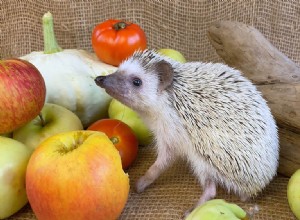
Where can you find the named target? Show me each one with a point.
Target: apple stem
(42, 119)
(50, 43)
(114, 140)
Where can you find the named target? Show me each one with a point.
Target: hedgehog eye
(137, 82)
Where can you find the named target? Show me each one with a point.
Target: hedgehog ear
(165, 74)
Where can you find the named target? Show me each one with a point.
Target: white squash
(69, 77)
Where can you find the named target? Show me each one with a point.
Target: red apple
(76, 175)
(23, 92)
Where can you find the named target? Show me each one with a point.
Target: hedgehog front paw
(142, 184)
(245, 198)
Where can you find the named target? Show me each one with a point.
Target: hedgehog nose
(100, 80)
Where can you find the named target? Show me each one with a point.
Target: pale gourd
(69, 77)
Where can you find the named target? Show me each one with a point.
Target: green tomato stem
(114, 140)
(50, 43)
(120, 25)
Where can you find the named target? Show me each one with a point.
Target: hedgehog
(206, 113)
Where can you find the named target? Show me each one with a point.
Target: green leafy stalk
(50, 43)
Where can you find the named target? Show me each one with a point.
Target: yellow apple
(174, 54)
(293, 193)
(53, 119)
(76, 175)
(14, 157)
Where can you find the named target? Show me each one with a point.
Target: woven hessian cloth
(180, 25)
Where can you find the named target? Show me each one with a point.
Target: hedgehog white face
(136, 85)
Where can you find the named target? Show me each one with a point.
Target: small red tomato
(122, 137)
(114, 40)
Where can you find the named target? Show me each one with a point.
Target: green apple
(52, 120)
(174, 54)
(293, 193)
(13, 162)
(117, 110)
(217, 209)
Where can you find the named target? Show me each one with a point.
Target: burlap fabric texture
(174, 24)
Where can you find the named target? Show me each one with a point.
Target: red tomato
(122, 137)
(114, 40)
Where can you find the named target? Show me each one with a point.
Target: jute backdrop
(175, 24)
(180, 25)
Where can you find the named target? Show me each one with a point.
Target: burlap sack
(174, 24)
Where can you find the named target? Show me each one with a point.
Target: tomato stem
(120, 25)
(114, 140)
(50, 43)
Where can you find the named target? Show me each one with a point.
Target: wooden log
(245, 48)
(276, 76)
(284, 101)
(289, 160)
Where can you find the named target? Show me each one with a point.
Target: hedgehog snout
(114, 84)
(100, 81)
